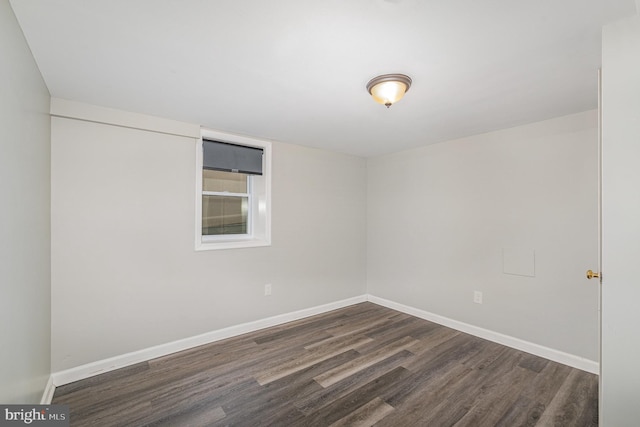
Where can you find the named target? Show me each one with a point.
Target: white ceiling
(295, 70)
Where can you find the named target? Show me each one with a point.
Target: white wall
(620, 378)
(440, 216)
(24, 219)
(125, 274)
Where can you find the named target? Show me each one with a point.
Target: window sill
(231, 244)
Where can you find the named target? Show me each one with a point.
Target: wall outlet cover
(477, 297)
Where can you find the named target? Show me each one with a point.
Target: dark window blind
(227, 157)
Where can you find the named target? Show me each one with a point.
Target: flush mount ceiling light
(388, 89)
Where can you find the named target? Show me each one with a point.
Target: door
(620, 302)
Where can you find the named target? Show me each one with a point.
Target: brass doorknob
(591, 274)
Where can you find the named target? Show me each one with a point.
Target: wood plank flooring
(363, 365)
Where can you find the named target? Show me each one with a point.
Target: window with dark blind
(234, 188)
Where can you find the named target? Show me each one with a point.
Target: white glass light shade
(388, 88)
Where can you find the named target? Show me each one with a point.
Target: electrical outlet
(477, 297)
(267, 289)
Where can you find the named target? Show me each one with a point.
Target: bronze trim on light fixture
(385, 78)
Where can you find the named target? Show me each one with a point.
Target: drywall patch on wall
(519, 261)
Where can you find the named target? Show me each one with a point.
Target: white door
(620, 338)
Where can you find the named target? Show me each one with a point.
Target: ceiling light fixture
(388, 89)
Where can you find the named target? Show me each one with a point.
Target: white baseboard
(49, 389)
(516, 343)
(128, 359)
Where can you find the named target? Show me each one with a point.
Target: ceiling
(295, 70)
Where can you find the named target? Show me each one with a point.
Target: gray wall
(620, 378)
(126, 276)
(441, 217)
(25, 273)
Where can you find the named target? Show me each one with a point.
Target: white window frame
(259, 187)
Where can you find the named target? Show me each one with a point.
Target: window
(232, 192)
(225, 203)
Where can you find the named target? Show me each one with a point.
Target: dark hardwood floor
(358, 366)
